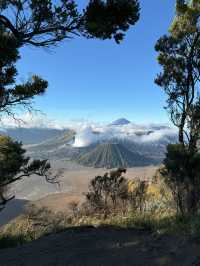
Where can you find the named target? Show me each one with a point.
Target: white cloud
(29, 120)
(85, 137)
(88, 132)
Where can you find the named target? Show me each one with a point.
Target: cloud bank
(88, 132)
(140, 134)
(29, 120)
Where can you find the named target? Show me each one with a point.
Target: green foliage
(113, 193)
(179, 56)
(33, 224)
(44, 23)
(28, 228)
(106, 191)
(11, 158)
(14, 165)
(181, 173)
(163, 225)
(187, 18)
(12, 94)
(117, 16)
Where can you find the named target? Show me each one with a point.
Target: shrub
(181, 173)
(34, 223)
(137, 194)
(106, 192)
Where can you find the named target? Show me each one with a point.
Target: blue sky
(100, 80)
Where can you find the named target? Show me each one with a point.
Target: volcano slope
(112, 155)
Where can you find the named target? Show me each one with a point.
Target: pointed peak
(120, 122)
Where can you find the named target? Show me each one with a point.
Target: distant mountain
(57, 147)
(106, 146)
(32, 135)
(120, 122)
(112, 155)
(103, 150)
(153, 150)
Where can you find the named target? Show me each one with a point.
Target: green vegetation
(33, 224)
(14, 165)
(179, 56)
(112, 200)
(173, 225)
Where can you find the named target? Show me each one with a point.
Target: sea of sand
(73, 183)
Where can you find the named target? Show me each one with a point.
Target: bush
(33, 224)
(181, 173)
(137, 194)
(113, 194)
(106, 192)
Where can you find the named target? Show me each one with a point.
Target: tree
(14, 165)
(179, 56)
(12, 94)
(182, 175)
(43, 23)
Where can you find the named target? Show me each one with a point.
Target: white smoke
(85, 137)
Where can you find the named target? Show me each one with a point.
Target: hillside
(32, 135)
(89, 246)
(112, 155)
(56, 147)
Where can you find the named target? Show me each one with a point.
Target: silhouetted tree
(14, 165)
(182, 175)
(13, 95)
(179, 56)
(44, 23)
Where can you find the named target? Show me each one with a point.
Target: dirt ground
(73, 184)
(58, 202)
(78, 182)
(105, 246)
(101, 246)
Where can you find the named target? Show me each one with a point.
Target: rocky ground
(89, 246)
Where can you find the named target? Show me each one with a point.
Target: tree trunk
(192, 201)
(181, 129)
